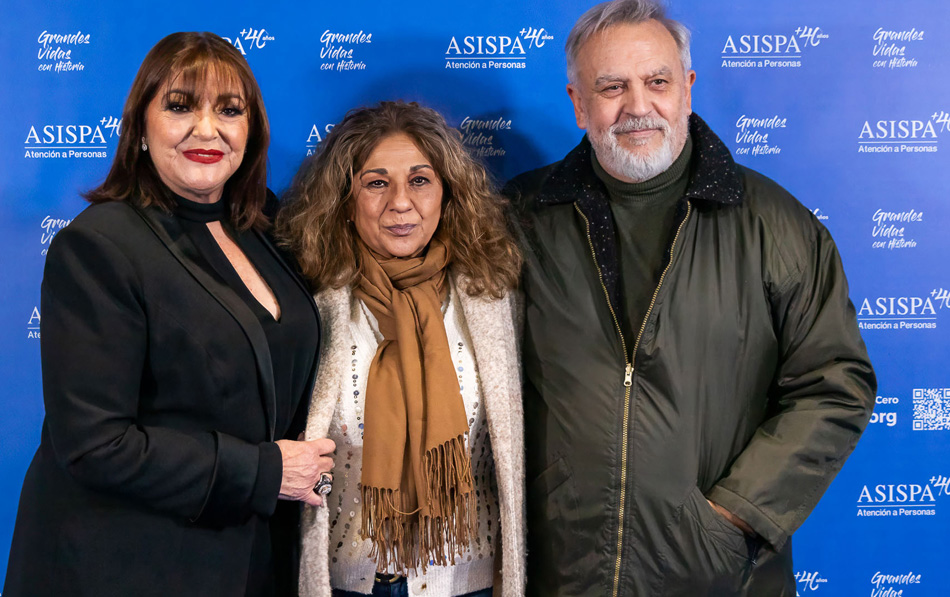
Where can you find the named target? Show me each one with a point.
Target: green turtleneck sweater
(643, 214)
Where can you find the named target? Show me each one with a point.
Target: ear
(579, 114)
(349, 209)
(690, 79)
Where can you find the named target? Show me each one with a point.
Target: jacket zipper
(628, 375)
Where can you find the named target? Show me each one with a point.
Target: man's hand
(735, 520)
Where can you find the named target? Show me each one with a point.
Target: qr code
(931, 409)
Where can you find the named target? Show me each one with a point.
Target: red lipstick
(204, 156)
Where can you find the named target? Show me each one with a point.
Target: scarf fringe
(404, 541)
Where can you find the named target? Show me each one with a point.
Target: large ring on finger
(324, 485)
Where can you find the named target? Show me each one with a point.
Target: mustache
(634, 123)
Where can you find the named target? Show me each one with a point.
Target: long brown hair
(313, 222)
(193, 61)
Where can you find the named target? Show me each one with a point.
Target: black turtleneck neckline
(200, 212)
(668, 185)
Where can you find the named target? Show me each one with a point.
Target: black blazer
(156, 472)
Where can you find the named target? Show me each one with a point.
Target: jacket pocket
(706, 554)
(553, 545)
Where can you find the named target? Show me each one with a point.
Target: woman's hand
(304, 461)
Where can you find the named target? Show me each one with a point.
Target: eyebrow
(222, 97)
(663, 70)
(608, 79)
(384, 171)
(183, 92)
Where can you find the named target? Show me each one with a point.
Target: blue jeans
(398, 588)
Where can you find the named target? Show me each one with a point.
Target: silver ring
(324, 485)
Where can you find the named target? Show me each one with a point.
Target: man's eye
(614, 89)
(659, 82)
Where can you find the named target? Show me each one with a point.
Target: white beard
(637, 167)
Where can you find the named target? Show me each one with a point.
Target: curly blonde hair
(313, 221)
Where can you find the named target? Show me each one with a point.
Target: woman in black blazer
(179, 351)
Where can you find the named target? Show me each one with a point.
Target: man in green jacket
(694, 373)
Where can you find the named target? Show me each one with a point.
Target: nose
(637, 103)
(204, 124)
(399, 200)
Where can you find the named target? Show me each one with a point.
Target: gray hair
(619, 12)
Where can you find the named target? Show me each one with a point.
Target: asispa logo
(61, 141)
(249, 39)
(33, 324)
(903, 499)
(316, 136)
(906, 135)
(903, 312)
(495, 50)
(809, 582)
(771, 50)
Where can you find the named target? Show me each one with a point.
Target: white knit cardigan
(494, 326)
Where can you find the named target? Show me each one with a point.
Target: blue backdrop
(845, 103)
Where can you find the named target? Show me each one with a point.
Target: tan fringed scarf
(417, 490)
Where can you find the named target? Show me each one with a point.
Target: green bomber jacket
(748, 384)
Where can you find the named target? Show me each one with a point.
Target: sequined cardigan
(494, 327)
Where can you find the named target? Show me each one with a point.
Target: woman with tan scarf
(398, 229)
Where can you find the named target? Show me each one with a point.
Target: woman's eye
(176, 107)
(232, 111)
(376, 184)
(419, 181)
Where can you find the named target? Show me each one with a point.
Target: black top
(644, 213)
(293, 338)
